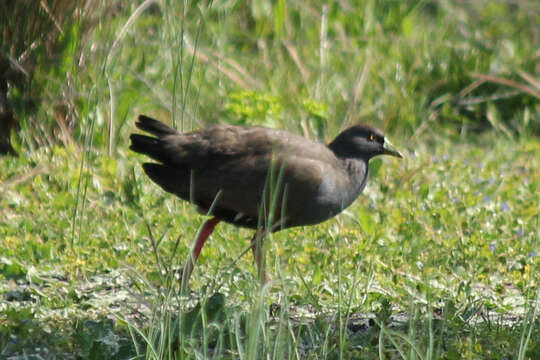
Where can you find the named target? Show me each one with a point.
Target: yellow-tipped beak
(389, 149)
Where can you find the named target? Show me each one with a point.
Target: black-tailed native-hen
(256, 177)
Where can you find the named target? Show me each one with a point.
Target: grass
(443, 260)
(437, 259)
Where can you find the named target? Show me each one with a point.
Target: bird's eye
(371, 137)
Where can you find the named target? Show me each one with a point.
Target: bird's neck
(348, 186)
(340, 150)
(358, 173)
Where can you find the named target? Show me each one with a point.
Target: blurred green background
(81, 71)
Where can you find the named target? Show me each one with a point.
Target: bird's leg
(257, 248)
(206, 230)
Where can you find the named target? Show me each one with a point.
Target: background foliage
(438, 259)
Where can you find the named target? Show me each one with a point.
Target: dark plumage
(241, 174)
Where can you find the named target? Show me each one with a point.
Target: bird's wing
(279, 186)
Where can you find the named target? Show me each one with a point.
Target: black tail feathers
(153, 147)
(154, 126)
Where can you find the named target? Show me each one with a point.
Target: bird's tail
(154, 126)
(154, 147)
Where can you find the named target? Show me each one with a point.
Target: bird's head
(362, 141)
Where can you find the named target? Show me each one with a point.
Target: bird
(256, 177)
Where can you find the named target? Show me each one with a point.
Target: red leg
(257, 248)
(207, 229)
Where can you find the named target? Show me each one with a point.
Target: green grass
(446, 241)
(438, 258)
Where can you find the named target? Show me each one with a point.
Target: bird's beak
(389, 149)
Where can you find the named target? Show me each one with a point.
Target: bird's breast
(336, 192)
